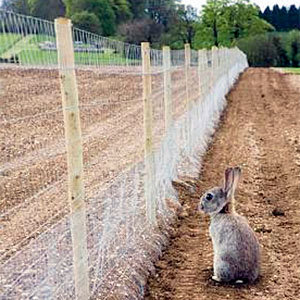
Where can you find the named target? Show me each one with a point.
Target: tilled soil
(260, 131)
(33, 166)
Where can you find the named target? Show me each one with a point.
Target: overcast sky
(262, 3)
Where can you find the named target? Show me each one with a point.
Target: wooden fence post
(187, 49)
(66, 61)
(148, 135)
(187, 56)
(214, 58)
(227, 66)
(206, 72)
(201, 54)
(167, 87)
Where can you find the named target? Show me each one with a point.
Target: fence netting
(124, 181)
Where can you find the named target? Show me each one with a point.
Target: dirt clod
(278, 212)
(262, 229)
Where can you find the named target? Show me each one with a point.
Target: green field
(28, 52)
(40, 57)
(292, 70)
(7, 41)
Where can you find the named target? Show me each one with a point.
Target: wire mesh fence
(146, 117)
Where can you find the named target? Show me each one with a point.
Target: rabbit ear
(228, 180)
(236, 178)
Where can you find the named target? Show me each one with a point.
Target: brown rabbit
(236, 248)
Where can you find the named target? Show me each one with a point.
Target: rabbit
(236, 248)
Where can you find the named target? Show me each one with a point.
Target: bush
(293, 47)
(99, 8)
(272, 49)
(143, 30)
(260, 50)
(87, 21)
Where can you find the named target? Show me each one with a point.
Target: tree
(243, 20)
(137, 8)
(258, 26)
(281, 18)
(295, 53)
(122, 10)
(284, 21)
(282, 57)
(267, 15)
(276, 49)
(260, 50)
(141, 30)
(293, 47)
(100, 8)
(162, 22)
(18, 6)
(87, 21)
(294, 17)
(187, 20)
(223, 22)
(276, 21)
(53, 9)
(182, 27)
(70, 7)
(213, 24)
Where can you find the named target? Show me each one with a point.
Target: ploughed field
(260, 131)
(33, 172)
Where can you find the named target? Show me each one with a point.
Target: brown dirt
(259, 131)
(33, 188)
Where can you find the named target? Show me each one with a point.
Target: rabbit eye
(209, 196)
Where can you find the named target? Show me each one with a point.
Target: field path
(260, 131)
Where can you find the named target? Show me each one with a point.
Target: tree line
(283, 19)
(267, 41)
(264, 36)
(221, 22)
(280, 48)
(224, 22)
(156, 21)
(276, 49)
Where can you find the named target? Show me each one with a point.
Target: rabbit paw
(216, 278)
(239, 281)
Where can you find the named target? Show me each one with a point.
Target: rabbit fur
(236, 248)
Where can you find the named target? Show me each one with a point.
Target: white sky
(262, 3)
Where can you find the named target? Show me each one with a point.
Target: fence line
(146, 117)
